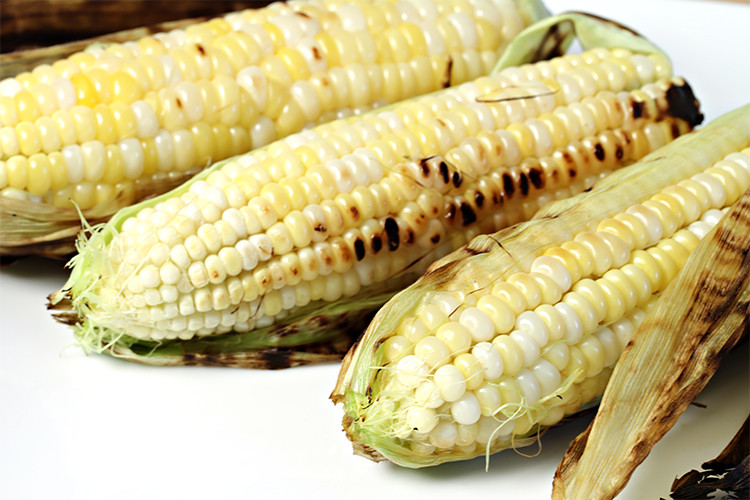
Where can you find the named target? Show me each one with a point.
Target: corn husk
(701, 315)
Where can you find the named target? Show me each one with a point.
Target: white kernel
(553, 268)
(611, 348)
(650, 219)
(147, 124)
(478, 323)
(450, 382)
(263, 245)
(528, 346)
(411, 370)
(466, 410)
(531, 323)
(74, 163)
(712, 217)
(444, 435)
(149, 276)
(427, 394)
(547, 375)
(421, 419)
(490, 359)
(573, 325)
(530, 387)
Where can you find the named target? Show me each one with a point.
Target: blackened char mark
(468, 216)
(536, 176)
(683, 104)
(391, 231)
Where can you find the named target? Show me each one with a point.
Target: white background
(92, 427)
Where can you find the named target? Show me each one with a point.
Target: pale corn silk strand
(235, 234)
(126, 118)
(632, 255)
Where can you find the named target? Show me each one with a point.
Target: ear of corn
(701, 316)
(117, 123)
(276, 248)
(521, 328)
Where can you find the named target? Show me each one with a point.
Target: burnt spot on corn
(536, 176)
(178, 101)
(444, 172)
(599, 152)
(450, 213)
(682, 103)
(376, 243)
(468, 216)
(355, 212)
(435, 239)
(508, 187)
(638, 108)
(478, 199)
(457, 179)
(316, 53)
(320, 228)
(201, 49)
(523, 183)
(410, 237)
(359, 249)
(425, 167)
(392, 233)
(619, 153)
(448, 71)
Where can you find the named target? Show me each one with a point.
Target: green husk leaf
(700, 317)
(553, 35)
(488, 258)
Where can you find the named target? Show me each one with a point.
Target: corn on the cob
(116, 123)
(523, 327)
(336, 218)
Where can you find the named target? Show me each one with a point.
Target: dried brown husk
(700, 317)
(29, 24)
(729, 472)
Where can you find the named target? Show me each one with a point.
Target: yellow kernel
(513, 359)
(471, 369)
(86, 94)
(39, 175)
(58, 170)
(511, 295)
(17, 168)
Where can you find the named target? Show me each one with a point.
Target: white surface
(91, 427)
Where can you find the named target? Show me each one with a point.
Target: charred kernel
(523, 184)
(457, 179)
(536, 177)
(468, 216)
(444, 172)
(508, 185)
(376, 244)
(599, 152)
(478, 199)
(359, 249)
(392, 232)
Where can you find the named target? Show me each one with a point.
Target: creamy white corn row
(358, 207)
(116, 123)
(522, 328)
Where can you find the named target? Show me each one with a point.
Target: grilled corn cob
(283, 246)
(523, 327)
(114, 124)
